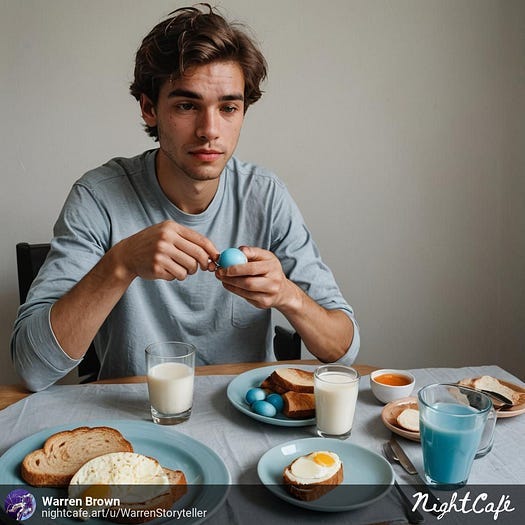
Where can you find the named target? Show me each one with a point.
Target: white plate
(253, 378)
(367, 475)
(203, 468)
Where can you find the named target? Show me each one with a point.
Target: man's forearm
(79, 314)
(326, 333)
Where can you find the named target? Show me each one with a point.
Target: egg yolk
(325, 460)
(96, 492)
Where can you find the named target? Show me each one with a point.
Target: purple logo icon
(20, 504)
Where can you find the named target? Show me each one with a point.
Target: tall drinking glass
(170, 373)
(452, 421)
(335, 388)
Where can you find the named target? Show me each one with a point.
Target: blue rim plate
(242, 383)
(367, 476)
(203, 468)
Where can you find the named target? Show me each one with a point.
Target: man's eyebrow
(186, 93)
(234, 96)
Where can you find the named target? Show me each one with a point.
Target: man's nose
(208, 126)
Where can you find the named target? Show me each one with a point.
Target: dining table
(241, 441)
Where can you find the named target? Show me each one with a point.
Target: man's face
(199, 118)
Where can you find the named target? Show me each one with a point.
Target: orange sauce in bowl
(393, 379)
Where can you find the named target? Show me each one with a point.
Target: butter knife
(402, 457)
(405, 462)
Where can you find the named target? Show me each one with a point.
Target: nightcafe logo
(465, 505)
(20, 504)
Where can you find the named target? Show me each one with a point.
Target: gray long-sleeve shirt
(122, 197)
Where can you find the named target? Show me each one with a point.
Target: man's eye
(185, 106)
(229, 109)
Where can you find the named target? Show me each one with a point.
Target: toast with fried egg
(138, 482)
(65, 452)
(313, 475)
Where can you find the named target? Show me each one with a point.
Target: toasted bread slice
(65, 452)
(298, 405)
(140, 512)
(270, 386)
(293, 379)
(143, 512)
(409, 419)
(312, 490)
(178, 483)
(491, 384)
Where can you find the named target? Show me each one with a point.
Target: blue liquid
(449, 440)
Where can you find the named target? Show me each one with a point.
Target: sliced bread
(65, 452)
(293, 379)
(178, 483)
(409, 419)
(491, 384)
(298, 405)
(147, 510)
(139, 483)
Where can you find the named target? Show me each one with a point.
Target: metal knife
(409, 467)
(402, 457)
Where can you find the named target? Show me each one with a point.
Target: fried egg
(126, 476)
(314, 467)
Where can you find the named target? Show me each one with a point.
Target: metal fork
(413, 516)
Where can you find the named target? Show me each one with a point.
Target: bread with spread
(311, 476)
(97, 464)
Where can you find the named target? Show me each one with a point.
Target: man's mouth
(206, 155)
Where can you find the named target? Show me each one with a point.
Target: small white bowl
(388, 392)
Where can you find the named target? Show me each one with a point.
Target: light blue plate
(253, 378)
(367, 476)
(202, 467)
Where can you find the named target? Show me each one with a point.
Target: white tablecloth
(240, 441)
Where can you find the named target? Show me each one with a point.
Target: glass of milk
(452, 421)
(335, 388)
(170, 373)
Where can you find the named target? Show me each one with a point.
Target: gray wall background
(397, 125)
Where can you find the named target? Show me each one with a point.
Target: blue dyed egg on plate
(277, 401)
(255, 394)
(231, 257)
(263, 408)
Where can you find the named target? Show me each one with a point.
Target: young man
(133, 256)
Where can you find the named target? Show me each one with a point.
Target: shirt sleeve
(302, 263)
(77, 246)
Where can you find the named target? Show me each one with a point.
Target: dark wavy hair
(191, 36)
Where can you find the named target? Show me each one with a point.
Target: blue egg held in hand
(263, 408)
(254, 394)
(231, 257)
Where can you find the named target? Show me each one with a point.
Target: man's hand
(261, 281)
(166, 251)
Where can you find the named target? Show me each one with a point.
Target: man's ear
(149, 114)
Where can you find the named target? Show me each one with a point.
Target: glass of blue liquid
(452, 421)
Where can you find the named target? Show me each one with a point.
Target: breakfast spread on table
(97, 464)
(311, 476)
